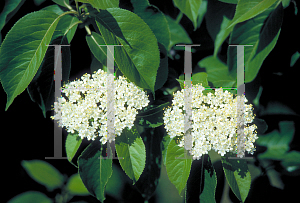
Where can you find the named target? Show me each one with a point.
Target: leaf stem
(178, 18)
(88, 30)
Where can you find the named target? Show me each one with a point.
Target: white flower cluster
(217, 119)
(85, 109)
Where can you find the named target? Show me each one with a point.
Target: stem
(69, 7)
(78, 22)
(88, 30)
(179, 17)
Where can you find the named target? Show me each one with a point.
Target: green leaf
(217, 72)
(178, 33)
(22, 54)
(210, 182)
(100, 52)
(75, 186)
(154, 18)
(102, 4)
(178, 170)
(197, 78)
(10, 8)
(190, 8)
(218, 17)
(262, 32)
(73, 142)
(138, 58)
(41, 88)
(164, 147)
(237, 175)
(116, 183)
(230, 1)
(131, 147)
(277, 142)
(29, 197)
(247, 9)
(294, 58)
(93, 170)
(44, 173)
(64, 3)
(202, 12)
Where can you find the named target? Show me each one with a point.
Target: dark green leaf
(93, 170)
(10, 8)
(21, 55)
(44, 173)
(130, 146)
(138, 58)
(102, 4)
(190, 8)
(64, 3)
(178, 169)
(230, 1)
(294, 58)
(29, 197)
(41, 88)
(237, 175)
(100, 52)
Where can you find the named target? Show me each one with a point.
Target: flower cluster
(83, 109)
(217, 120)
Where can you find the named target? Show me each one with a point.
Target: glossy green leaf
(178, 170)
(41, 88)
(75, 185)
(138, 58)
(154, 18)
(43, 173)
(237, 175)
(277, 142)
(94, 169)
(73, 142)
(100, 52)
(8, 11)
(218, 17)
(217, 72)
(131, 147)
(29, 197)
(21, 55)
(190, 8)
(64, 3)
(210, 182)
(262, 32)
(197, 78)
(177, 33)
(102, 4)
(247, 9)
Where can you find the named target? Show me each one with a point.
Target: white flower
(85, 109)
(215, 122)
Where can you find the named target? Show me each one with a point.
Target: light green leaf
(22, 54)
(178, 33)
(294, 58)
(277, 142)
(64, 3)
(8, 11)
(93, 170)
(190, 8)
(100, 52)
(29, 197)
(75, 185)
(73, 142)
(237, 175)
(247, 9)
(44, 173)
(102, 4)
(202, 12)
(197, 78)
(210, 183)
(131, 147)
(262, 32)
(164, 147)
(138, 59)
(217, 72)
(154, 18)
(178, 170)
